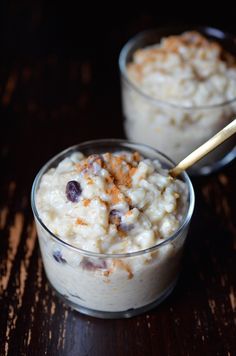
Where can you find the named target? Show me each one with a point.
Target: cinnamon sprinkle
(171, 45)
(121, 233)
(136, 156)
(109, 179)
(128, 201)
(120, 173)
(86, 202)
(81, 166)
(115, 194)
(89, 180)
(121, 170)
(128, 213)
(80, 221)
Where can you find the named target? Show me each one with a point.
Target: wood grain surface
(53, 94)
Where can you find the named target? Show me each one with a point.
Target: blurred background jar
(177, 97)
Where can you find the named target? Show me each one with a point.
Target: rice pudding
(178, 93)
(106, 208)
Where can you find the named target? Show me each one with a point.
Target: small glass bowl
(174, 129)
(102, 285)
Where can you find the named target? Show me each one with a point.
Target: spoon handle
(204, 149)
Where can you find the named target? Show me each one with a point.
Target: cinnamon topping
(86, 202)
(80, 221)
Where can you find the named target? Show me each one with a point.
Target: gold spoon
(204, 149)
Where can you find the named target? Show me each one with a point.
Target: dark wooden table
(54, 93)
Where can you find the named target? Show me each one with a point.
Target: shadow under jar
(177, 128)
(112, 285)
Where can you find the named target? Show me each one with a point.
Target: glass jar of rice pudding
(111, 224)
(179, 89)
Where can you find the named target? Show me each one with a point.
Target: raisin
(73, 191)
(115, 217)
(125, 227)
(92, 265)
(58, 256)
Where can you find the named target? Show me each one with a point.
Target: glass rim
(207, 30)
(184, 222)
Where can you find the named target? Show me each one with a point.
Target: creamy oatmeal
(111, 203)
(179, 75)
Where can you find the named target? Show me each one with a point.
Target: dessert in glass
(179, 89)
(111, 224)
